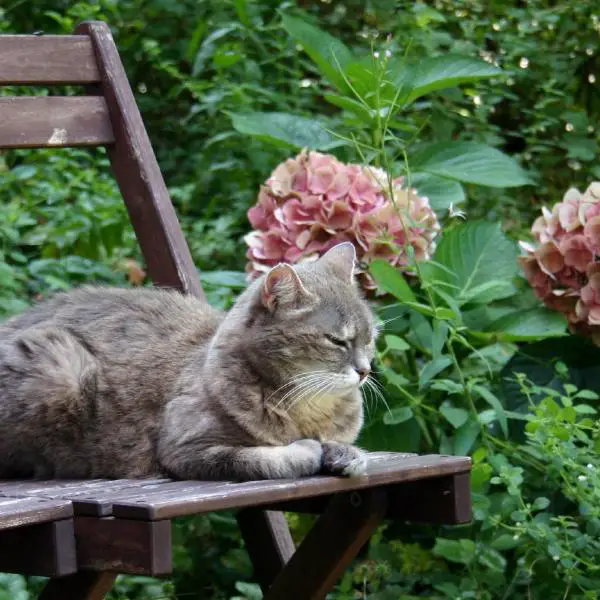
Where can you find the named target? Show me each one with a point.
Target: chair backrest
(106, 116)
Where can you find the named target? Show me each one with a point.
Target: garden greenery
(488, 110)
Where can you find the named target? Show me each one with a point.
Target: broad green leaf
(328, 53)
(459, 551)
(488, 291)
(398, 415)
(442, 192)
(484, 393)
(530, 325)
(391, 280)
(492, 559)
(432, 368)
(396, 343)
(469, 162)
(455, 416)
(284, 129)
(540, 503)
(475, 253)
(441, 72)
(505, 541)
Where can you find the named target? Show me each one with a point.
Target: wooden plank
(122, 546)
(32, 59)
(46, 549)
(186, 498)
(440, 500)
(54, 122)
(152, 215)
(437, 500)
(17, 512)
(330, 546)
(268, 542)
(80, 586)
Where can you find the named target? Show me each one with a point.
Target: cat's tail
(48, 375)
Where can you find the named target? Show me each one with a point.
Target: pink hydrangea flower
(314, 201)
(564, 269)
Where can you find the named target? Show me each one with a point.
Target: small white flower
(556, 557)
(516, 536)
(456, 213)
(376, 54)
(388, 53)
(582, 478)
(590, 466)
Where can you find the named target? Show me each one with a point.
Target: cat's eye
(337, 341)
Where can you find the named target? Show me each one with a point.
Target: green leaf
(441, 192)
(455, 416)
(505, 541)
(540, 503)
(396, 343)
(398, 415)
(283, 129)
(351, 105)
(492, 559)
(328, 53)
(487, 292)
(458, 551)
(432, 368)
(469, 162)
(474, 254)
(441, 72)
(391, 280)
(465, 437)
(530, 325)
(495, 404)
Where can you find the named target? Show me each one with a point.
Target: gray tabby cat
(136, 383)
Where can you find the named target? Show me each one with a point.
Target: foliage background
(451, 379)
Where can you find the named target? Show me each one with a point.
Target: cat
(136, 383)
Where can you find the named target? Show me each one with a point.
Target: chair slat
(54, 122)
(47, 59)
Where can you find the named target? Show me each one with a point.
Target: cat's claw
(343, 459)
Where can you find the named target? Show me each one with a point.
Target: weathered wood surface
(124, 546)
(330, 546)
(166, 499)
(85, 585)
(142, 185)
(47, 59)
(17, 512)
(45, 549)
(268, 542)
(54, 121)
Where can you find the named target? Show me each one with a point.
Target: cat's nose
(363, 372)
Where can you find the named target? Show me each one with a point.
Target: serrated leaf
(471, 163)
(474, 254)
(530, 325)
(447, 71)
(283, 129)
(328, 53)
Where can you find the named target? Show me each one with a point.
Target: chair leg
(85, 585)
(330, 546)
(268, 541)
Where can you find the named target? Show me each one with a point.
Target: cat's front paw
(343, 459)
(304, 458)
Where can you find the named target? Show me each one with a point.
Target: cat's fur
(102, 382)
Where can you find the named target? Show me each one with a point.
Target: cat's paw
(305, 458)
(343, 459)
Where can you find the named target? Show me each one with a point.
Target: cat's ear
(340, 259)
(282, 288)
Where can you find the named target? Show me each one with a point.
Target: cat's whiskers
(370, 383)
(293, 381)
(314, 393)
(304, 385)
(315, 387)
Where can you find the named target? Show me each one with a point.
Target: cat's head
(308, 326)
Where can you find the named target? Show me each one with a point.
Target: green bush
(469, 100)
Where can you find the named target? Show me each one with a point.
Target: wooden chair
(82, 533)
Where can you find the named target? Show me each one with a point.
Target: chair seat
(159, 499)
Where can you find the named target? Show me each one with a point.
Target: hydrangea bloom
(563, 268)
(313, 201)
